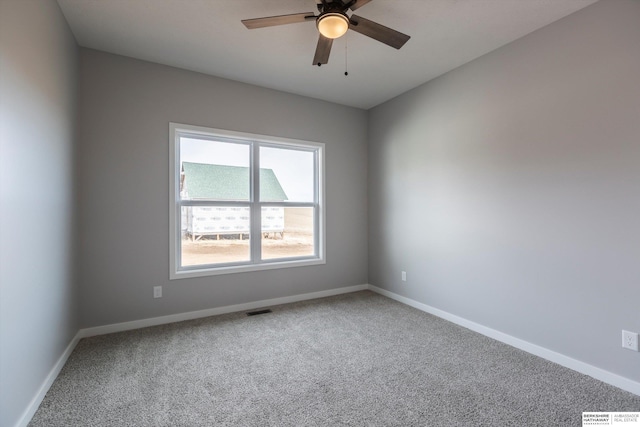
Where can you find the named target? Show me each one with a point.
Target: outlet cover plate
(157, 291)
(630, 340)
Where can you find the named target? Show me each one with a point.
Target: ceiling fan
(333, 22)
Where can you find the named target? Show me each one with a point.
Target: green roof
(220, 182)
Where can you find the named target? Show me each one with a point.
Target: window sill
(216, 271)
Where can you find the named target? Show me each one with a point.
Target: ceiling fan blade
(272, 21)
(378, 32)
(358, 4)
(322, 50)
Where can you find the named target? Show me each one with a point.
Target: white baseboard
(44, 388)
(560, 359)
(576, 365)
(143, 323)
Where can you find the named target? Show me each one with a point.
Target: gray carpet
(356, 360)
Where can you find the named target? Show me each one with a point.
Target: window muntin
(243, 202)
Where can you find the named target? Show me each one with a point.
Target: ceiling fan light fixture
(332, 24)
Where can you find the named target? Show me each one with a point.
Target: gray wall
(37, 107)
(125, 108)
(508, 189)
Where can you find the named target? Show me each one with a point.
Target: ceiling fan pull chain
(346, 63)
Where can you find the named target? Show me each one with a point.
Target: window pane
(286, 175)
(214, 235)
(213, 170)
(287, 232)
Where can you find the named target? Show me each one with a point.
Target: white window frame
(176, 130)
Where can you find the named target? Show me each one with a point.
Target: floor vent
(254, 313)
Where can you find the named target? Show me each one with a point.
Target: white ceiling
(207, 36)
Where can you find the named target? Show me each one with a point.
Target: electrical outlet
(630, 340)
(404, 276)
(157, 291)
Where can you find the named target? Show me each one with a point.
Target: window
(243, 202)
